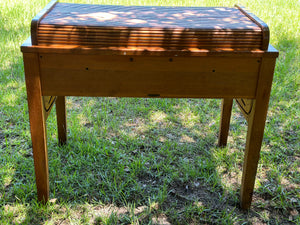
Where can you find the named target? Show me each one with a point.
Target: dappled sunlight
(17, 212)
(121, 135)
(82, 119)
(261, 177)
(99, 16)
(148, 28)
(189, 119)
(158, 117)
(288, 184)
(199, 204)
(136, 127)
(200, 133)
(160, 219)
(186, 139)
(10, 98)
(93, 214)
(149, 16)
(8, 176)
(230, 180)
(72, 103)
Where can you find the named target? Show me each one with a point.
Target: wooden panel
(93, 75)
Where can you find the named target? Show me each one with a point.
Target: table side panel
(125, 76)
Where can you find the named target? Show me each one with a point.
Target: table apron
(148, 76)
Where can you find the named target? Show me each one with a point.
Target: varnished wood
(148, 51)
(97, 51)
(37, 124)
(61, 119)
(180, 27)
(122, 76)
(35, 21)
(264, 27)
(225, 121)
(255, 131)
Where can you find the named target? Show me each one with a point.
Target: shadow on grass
(120, 158)
(121, 153)
(112, 167)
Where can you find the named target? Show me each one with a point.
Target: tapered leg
(256, 125)
(61, 119)
(225, 121)
(37, 124)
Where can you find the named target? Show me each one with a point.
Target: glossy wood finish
(149, 26)
(264, 27)
(36, 20)
(122, 76)
(256, 125)
(37, 124)
(148, 51)
(147, 62)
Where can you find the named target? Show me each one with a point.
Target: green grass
(150, 161)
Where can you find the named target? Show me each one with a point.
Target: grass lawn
(150, 161)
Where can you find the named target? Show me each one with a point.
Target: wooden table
(139, 51)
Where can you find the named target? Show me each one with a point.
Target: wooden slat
(35, 21)
(176, 27)
(264, 27)
(155, 37)
(163, 37)
(152, 40)
(153, 43)
(146, 30)
(147, 16)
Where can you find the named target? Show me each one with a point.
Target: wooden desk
(138, 51)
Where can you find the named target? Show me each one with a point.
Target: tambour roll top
(169, 28)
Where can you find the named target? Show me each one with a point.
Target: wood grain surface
(149, 26)
(125, 76)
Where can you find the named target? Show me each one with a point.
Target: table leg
(256, 125)
(61, 119)
(225, 121)
(37, 124)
